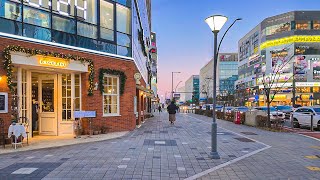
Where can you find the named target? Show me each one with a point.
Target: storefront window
(106, 15)
(123, 19)
(303, 25)
(111, 96)
(278, 28)
(87, 30)
(10, 10)
(316, 24)
(36, 17)
(66, 97)
(316, 89)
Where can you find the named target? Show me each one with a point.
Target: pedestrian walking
(172, 109)
(159, 109)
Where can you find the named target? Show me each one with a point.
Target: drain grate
(193, 148)
(203, 153)
(132, 148)
(164, 132)
(156, 157)
(232, 156)
(200, 159)
(221, 133)
(148, 132)
(94, 149)
(244, 139)
(64, 159)
(249, 133)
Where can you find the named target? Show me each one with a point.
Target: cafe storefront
(47, 91)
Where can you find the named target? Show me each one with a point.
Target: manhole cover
(249, 133)
(200, 159)
(244, 139)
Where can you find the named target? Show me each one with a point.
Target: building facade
(227, 74)
(61, 58)
(192, 89)
(281, 48)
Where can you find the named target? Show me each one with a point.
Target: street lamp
(175, 89)
(215, 23)
(172, 83)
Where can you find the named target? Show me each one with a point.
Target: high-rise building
(279, 49)
(67, 57)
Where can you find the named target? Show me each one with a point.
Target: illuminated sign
(289, 40)
(59, 63)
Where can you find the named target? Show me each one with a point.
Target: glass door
(48, 104)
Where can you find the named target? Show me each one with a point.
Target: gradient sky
(185, 41)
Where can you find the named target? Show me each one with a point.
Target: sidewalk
(159, 150)
(40, 142)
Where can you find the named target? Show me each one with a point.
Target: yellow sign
(53, 62)
(280, 97)
(289, 40)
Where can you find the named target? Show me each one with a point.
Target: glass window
(87, 30)
(274, 29)
(302, 25)
(123, 19)
(123, 40)
(66, 97)
(111, 96)
(36, 17)
(107, 47)
(87, 43)
(10, 27)
(316, 24)
(123, 51)
(63, 38)
(107, 34)
(63, 7)
(36, 32)
(63, 24)
(125, 2)
(10, 10)
(87, 10)
(106, 15)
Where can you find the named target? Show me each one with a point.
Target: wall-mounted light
(96, 86)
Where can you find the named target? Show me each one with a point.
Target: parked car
(287, 110)
(302, 116)
(274, 114)
(242, 109)
(227, 109)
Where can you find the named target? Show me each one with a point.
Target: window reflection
(278, 28)
(10, 10)
(123, 40)
(11, 27)
(106, 15)
(64, 38)
(36, 17)
(63, 24)
(36, 32)
(123, 51)
(107, 34)
(87, 30)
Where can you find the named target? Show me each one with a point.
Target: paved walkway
(159, 150)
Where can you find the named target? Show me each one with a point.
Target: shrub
(261, 121)
(220, 115)
(208, 113)
(243, 118)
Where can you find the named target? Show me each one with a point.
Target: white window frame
(118, 98)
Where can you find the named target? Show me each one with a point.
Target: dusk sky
(185, 42)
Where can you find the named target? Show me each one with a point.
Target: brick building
(60, 58)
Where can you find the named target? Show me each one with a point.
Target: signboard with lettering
(84, 114)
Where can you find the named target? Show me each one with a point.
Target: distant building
(281, 44)
(181, 91)
(226, 76)
(192, 85)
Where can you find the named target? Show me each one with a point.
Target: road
(159, 150)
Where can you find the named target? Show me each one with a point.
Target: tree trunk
(268, 110)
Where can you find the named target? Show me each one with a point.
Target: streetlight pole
(172, 84)
(215, 23)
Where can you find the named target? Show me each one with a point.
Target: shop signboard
(315, 68)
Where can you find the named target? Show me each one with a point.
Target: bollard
(311, 128)
(291, 117)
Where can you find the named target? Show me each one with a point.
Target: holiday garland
(121, 75)
(8, 62)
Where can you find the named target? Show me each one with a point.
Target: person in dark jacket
(172, 108)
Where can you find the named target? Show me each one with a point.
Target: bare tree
(271, 83)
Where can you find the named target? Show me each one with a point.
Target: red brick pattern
(126, 121)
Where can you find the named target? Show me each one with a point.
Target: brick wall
(126, 120)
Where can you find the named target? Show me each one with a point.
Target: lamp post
(172, 83)
(215, 23)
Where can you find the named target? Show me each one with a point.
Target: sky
(185, 41)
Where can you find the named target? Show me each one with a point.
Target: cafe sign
(53, 62)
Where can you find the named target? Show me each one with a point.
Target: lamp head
(216, 22)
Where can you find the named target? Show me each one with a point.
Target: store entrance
(44, 104)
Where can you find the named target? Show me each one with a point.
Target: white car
(302, 117)
(274, 114)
